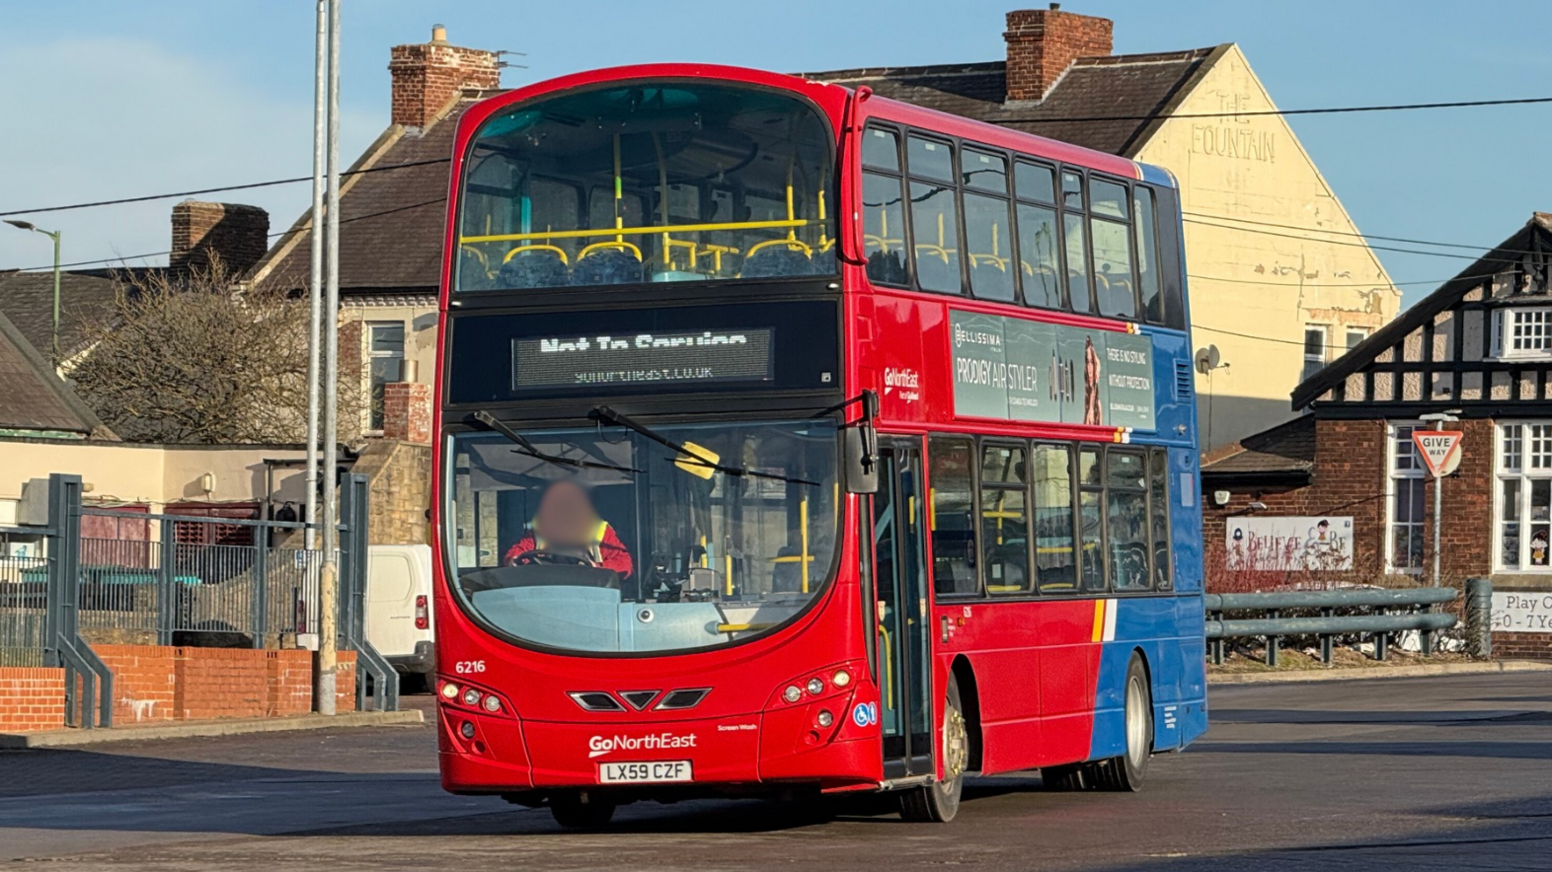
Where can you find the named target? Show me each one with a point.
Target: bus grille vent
(682, 699)
(1184, 380)
(596, 701)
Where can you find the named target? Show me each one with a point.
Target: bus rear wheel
(579, 810)
(1127, 771)
(939, 802)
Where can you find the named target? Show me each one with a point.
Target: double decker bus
(792, 441)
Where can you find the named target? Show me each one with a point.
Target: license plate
(644, 772)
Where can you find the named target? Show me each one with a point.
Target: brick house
(1479, 349)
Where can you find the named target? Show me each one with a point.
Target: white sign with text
(1297, 543)
(1528, 611)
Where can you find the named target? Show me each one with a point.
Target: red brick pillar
(407, 412)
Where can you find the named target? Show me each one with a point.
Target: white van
(398, 606)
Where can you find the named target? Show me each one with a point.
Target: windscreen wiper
(689, 455)
(532, 450)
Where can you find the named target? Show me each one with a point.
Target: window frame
(376, 407)
(901, 180)
(1158, 584)
(1393, 474)
(1318, 361)
(1012, 158)
(1525, 474)
(1505, 320)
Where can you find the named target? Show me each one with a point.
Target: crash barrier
(1383, 612)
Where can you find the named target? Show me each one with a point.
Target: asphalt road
(1407, 774)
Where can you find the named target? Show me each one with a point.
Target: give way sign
(1440, 449)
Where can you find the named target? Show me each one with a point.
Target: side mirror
(860, 450)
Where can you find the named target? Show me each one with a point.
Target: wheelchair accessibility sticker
(865, 714)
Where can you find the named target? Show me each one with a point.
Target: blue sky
(112, 99)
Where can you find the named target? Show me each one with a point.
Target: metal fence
(175, 580)
(1365, 612)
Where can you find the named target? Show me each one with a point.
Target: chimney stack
(1043, 43)
(428, 77)
(237, 234)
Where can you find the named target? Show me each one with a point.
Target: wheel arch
(1147, 673)
(970, 700)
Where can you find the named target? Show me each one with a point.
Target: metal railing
(172, 579)
(1367, 612)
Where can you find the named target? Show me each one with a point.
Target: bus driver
(567, 522)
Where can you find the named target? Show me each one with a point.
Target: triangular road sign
(1440, 449)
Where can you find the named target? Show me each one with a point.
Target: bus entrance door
(904, 664)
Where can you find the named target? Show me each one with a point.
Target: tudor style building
(1478, 349)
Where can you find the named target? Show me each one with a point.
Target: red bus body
(1041, 677)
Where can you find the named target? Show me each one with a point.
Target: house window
(1314, 350)
(1523, 525)
(1356, 335)
(1405, 501)
(1522, 332)
(385, 361)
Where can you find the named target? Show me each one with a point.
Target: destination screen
(642, 358)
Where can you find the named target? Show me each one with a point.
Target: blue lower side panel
(1168, 633)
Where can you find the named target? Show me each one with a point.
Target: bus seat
(606, 266)
(473, 274)
(539, 268)
(777, 261)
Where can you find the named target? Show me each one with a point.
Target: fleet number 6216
(464, 667)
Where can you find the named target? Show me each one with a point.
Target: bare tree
(188, 359)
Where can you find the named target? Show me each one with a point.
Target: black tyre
(1064, 778)
(939, 802)
(580, 810)
(1126, 772)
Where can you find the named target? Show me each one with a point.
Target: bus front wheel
(580, 811)
(939, 802)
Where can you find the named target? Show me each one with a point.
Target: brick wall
(31, 699)
(154, 682)
(1522, 646)
(1351, 477)
(429, 76)
(238, 235)
(407, 412)
(1043, 43)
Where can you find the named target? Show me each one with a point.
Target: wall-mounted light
(207, 483)
(1221, 497)
(1257, 506)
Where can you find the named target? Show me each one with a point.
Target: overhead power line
(1402, 239)
(244, 187)
(1202, 223)
(1332, 110)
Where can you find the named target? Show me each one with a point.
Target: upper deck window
(648, 183)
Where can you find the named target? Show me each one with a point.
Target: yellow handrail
(633, 231)
(620, 244)
(522, 248)
(794, 244)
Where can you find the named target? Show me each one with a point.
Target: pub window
(1056, 565)
(1091, 520)
(1522, 332)
(988, 240)
(1405, 501)
(1356, 336)
(1158, 514)
(1524, 522)
(950, 517)
(1126, 521)
(883, 228)
(1004, 520)
(1112, 249)
(1143, 218)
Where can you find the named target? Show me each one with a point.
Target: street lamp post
(54, 235)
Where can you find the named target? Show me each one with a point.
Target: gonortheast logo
(598, 746)
(906, 380)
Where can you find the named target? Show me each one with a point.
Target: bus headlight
(492, 704)
(793, 693)
(841, 678)
(471, 697)
(825, 718)
(449, 691)
(816, 686)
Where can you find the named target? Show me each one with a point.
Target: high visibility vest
(595, 548)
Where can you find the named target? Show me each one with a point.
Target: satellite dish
(1207, 359)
